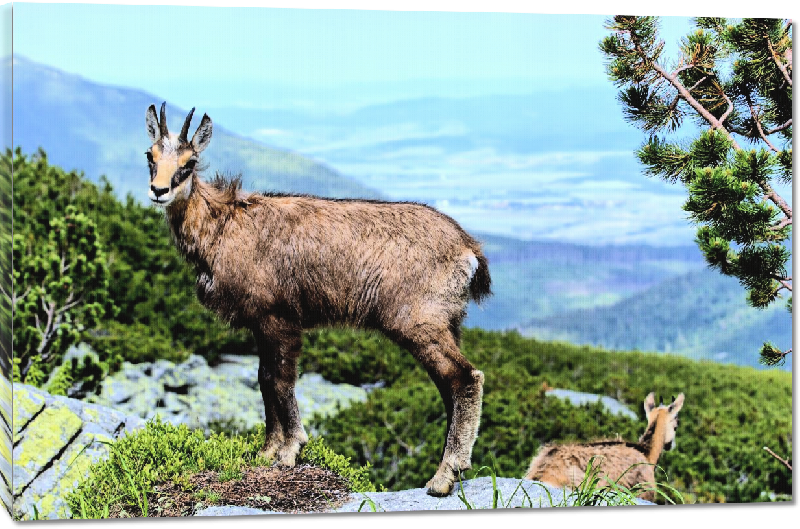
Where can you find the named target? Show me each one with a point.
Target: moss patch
(43, 439)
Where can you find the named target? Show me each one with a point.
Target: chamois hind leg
(461, 387)
(285, 434)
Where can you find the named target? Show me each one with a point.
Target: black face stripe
(183, 172)
(151, 164)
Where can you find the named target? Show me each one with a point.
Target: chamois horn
(185, 130)
(162, 125)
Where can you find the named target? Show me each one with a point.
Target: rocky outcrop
(200, 396)
(55, 441)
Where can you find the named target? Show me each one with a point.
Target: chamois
(278, 264)
(564, 465)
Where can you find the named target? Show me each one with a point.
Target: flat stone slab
(476, 493)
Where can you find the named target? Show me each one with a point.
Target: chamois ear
(152, 124)
(649, 404)
(676, 406)
(202, 137)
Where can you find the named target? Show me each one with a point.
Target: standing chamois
(278, 264)
(565, 465)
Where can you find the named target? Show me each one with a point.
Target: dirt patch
(304, 488)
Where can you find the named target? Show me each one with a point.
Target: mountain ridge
(102, 132)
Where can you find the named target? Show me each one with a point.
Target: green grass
(163, 452)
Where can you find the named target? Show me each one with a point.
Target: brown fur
(278, 264)
(629, 464)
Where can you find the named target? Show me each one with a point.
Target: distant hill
(538, 279)
(100, 130)
(526, 123)
(701, 315)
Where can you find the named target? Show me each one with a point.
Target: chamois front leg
(277, 375)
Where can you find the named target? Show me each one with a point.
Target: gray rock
(232, 510)
(199, 396)
(477, 493)
(57, 438)
(577, 398)
(55, 447)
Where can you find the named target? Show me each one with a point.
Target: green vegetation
(61, 284)
(162, 452)
(734, 80)
(730, 413)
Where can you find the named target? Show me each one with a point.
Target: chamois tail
(480, 287)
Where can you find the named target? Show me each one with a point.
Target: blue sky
(316, 58)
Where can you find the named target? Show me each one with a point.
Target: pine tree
(734, 81)
(60, 291)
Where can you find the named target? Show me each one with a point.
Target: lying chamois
(564, 465)
(278, 264)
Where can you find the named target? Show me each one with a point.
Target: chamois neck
(196, 222)
(652, 441)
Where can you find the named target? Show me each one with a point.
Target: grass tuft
(162, 452)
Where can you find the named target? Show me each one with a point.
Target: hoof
(269, 451)
(439, 486)
(284, 462)
(287, 455)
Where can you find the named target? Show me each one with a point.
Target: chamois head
(173, 158)
(667, 414)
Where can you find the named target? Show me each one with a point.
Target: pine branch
(773, 454)
(780, 127)
(778, 61)
(708, 116)
(757, 120)
(727, 112)
(69, 303)
(14, 298)
(696, 84)
(48, 328)
(782, 224)
(785, 283)
(776, 199)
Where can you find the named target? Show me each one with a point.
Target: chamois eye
(149, 157)
(189, 165)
